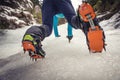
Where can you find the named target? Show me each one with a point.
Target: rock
(15, 13)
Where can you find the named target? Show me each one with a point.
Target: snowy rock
(15, 13)
(113, 22)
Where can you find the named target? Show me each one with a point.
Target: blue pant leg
(47, 15)
(66, 7)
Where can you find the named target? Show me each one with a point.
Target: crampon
(28, 46)
(34, 56)
(95, 37)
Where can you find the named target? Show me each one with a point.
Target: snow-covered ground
(76, 3)
(64, 61)
(10, 41)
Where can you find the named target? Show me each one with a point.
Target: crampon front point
(34, 56)
(28, 46)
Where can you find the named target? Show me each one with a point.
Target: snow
(103, 14)
(111, 23)
(30, 4)
(10, 41)
(76, 3)
(11, 17)
(20, 21)
(8, 10)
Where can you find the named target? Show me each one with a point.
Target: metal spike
(24, 51)
(32, 59)
(69, 40)
(35, 59)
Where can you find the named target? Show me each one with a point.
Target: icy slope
(64, 61)
(10, 41)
